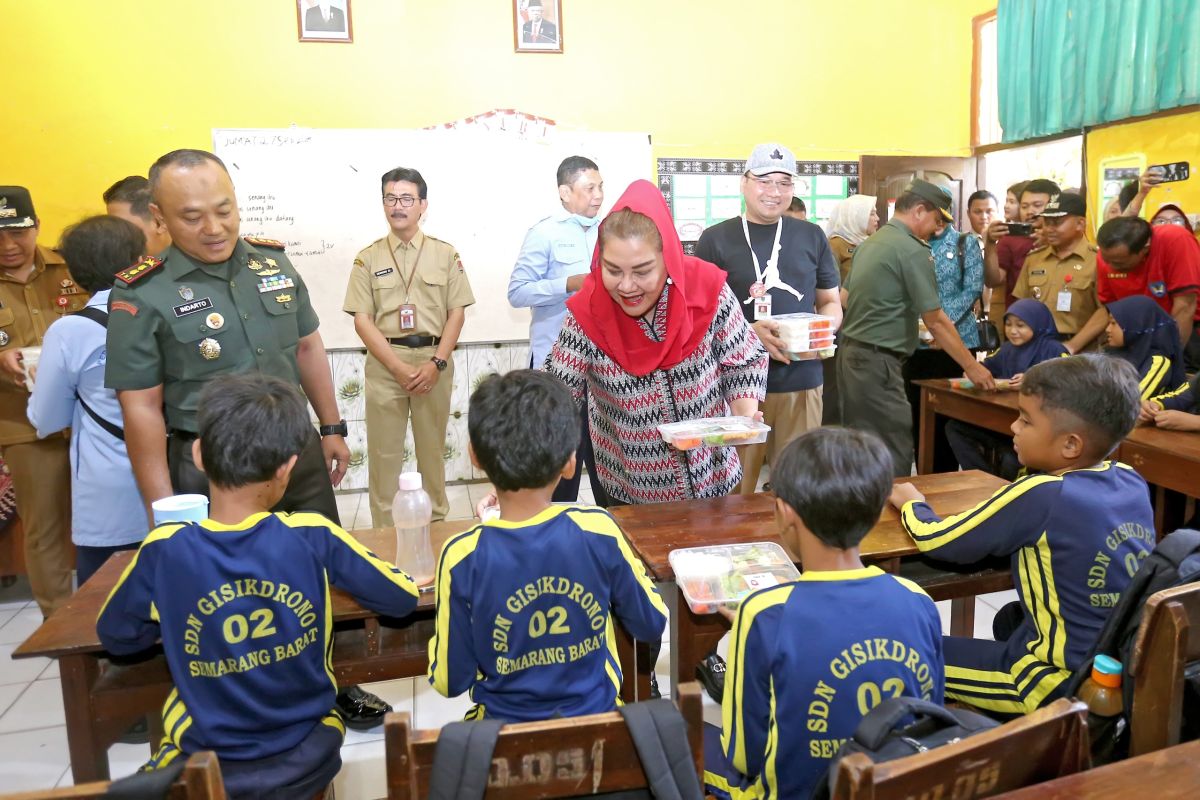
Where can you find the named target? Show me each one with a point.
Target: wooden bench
(200, 780)
(1050, 742)
(1168, 639)
(535, 760)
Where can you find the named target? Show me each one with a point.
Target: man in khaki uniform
(1062, 274)
(35, 290)
(408, 294)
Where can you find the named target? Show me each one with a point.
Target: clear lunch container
(805, 332)
(714, 432)
(724, 575)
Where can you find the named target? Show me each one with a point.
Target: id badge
(408, 317)
(762, 308)
(1064, 301)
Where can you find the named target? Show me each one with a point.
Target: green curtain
(1064, 64)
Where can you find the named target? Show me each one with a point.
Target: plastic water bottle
(411, 512)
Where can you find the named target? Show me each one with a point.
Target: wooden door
(886, 176)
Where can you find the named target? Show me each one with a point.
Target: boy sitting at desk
(1075, 528)
(808, 659)
(241, 602)
(525, 601)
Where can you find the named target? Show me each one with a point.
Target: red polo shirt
(1171, 267)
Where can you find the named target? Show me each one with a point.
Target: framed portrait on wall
(537, 26)
(324, 21)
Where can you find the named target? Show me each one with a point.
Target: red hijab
(691, 305)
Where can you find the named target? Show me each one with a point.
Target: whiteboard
(318, 191)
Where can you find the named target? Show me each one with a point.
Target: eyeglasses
(767, 183)
(405, 200)
(1171, 221)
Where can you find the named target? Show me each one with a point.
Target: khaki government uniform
(377, 287)
(1045, 275)
(181, 324)
(40, 468)
(843, 253)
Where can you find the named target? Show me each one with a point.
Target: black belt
(415, 341)
(875, 348)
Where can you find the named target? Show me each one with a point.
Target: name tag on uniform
(1064, 301)
(408, 317)
(1036, 272)
(192, 307)
(383, 272)
(762, 307)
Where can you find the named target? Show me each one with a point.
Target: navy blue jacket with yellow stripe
(524, 614)
(244, 617)
(1074, 541)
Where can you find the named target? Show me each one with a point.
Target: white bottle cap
(410, 481)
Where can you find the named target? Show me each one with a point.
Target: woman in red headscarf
(655, 337)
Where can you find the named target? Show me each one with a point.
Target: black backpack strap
(660, 737)
(150, 785)
(463, 760)
(95, 314)
(100, 317)
(881, 720)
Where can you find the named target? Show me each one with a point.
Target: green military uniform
(427, 274)
(179, 323)
(1066, 286)
(40, 468)
(891, 284)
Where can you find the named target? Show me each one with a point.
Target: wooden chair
(1046, 744)
(537, 760)
(1169, 638)
(200, 780)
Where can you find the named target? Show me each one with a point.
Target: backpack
(100, 317)
(463, 759)
(1174, 562)
(899, 727)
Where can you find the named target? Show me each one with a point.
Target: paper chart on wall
(318, 191)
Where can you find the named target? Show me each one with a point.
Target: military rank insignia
(139, 270)
(259, 241)
(273, 284)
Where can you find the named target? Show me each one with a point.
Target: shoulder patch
(358, 262)
(458, 261)
(259, 241)
(122, 305)
(139, 270)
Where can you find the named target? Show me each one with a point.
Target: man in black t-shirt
(784, 264)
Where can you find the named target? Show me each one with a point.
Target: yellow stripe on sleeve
(159, 534)
(932, 535)
(1183, 387)
(385, 568)
(1154, 376)
(603, 524)
(454, 551)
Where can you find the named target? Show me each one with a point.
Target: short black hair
(98, 247)
(134, 190)
(837, 481)
(910, 200)
(1128, 191)
(1041, 186)
(1133, 232)
(798, 205)
(180, 158)
(571, 167)
(249, 425)
(1094, 394)
(524, 426)
(981, 194)
(405, 174)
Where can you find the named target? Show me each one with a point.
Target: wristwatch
(340, 429)
(440, 363)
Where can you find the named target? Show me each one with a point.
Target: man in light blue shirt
(555, 258)
(107, 513)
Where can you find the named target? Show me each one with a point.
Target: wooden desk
(1168, 460)
(1166, 774)
(655, 530)
(995, 411)
(103, 698)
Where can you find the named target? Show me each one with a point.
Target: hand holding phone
(1170, 173)
(1020, 229)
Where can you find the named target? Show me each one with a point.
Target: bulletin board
(703, 192)
(1114, 150)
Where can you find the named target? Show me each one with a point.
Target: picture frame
(324, 21)
(537, 26)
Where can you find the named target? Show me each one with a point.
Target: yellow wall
(94, 90)
(1161, 141)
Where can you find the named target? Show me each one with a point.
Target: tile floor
(33, 739)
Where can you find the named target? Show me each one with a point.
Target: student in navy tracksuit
(1075, 528)
(1140, 332)
(525, 602)
(808, 659)
(241, 602)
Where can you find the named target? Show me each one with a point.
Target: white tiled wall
(471, 363)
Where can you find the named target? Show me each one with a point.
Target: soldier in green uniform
(215, 304)
(891, 283)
